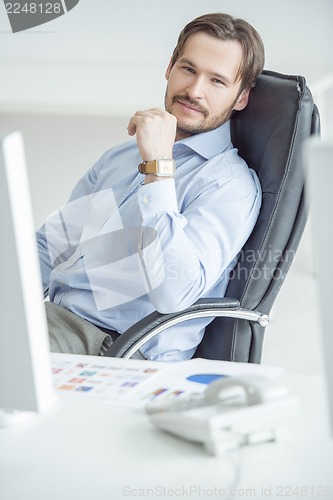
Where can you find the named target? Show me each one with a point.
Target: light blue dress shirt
(120, 249)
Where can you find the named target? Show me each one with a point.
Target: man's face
(202, 90)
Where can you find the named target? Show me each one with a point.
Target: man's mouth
(189, 104)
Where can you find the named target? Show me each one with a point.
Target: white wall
(59, 150)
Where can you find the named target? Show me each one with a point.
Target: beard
(186, 128)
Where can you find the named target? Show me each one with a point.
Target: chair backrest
(269, 134)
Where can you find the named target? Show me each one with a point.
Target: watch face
(165, 167)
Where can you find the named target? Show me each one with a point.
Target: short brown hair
(226, 27)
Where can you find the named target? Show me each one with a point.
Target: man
(158, 221)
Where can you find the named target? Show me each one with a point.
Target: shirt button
(145, 200)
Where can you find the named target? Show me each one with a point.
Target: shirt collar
(208, 144)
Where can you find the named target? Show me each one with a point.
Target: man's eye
(218, 82)
(189, 69)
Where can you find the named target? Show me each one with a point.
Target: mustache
(191, 102)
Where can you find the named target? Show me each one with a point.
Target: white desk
(85, 450)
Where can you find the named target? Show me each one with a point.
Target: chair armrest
(137, 335)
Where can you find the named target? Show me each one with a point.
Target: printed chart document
(134, 383)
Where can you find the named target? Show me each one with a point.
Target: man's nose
(196, 88)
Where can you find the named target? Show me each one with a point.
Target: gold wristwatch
(162, 166)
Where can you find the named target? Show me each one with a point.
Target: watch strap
(160, 166)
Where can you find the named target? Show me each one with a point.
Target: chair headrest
(264, 132)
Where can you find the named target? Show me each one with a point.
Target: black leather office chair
(269, 134)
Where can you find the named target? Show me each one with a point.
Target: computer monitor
(25, 374)
(319, 159)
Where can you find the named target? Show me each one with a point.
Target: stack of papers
(134, 383)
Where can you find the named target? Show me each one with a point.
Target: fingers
(131, 128)
(140, 115)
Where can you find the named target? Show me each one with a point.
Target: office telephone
(231, 412)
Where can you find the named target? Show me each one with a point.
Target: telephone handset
(233, 411)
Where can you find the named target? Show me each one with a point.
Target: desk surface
(85, 449)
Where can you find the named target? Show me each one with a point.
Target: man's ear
(167, 73)
(242, 100)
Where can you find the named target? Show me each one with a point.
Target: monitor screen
(25, 375)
